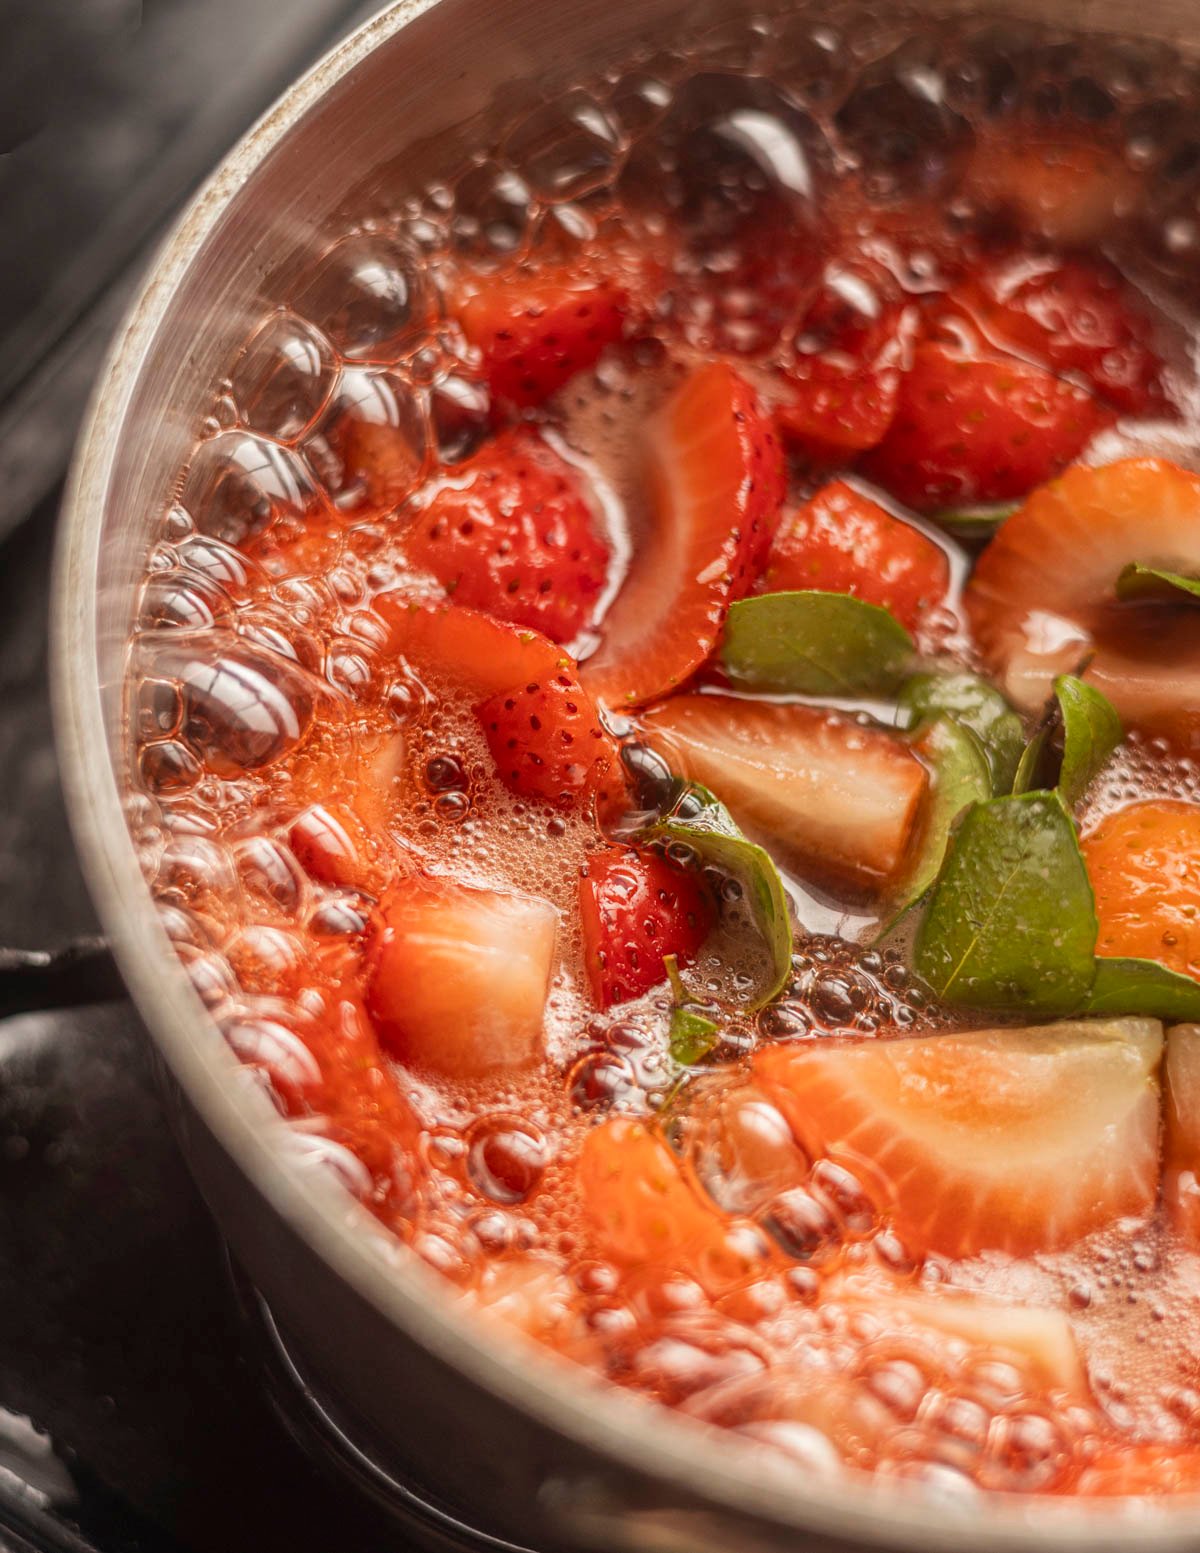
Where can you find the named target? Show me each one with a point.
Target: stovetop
(134, 1416)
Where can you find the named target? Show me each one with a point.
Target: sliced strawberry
(842, 797)
(548, 742)
(1181, 1152)
(842, 542)
(459, 976)
(1009, 1140)
(536, 331)
(470, 651)
(842, 382)
(1071, 315)
(1042, 594)
(717, 482)
(644, 1213)
(979, 429)
(1060, 186)
(513, 535)
(1144, 865)
(636, 908)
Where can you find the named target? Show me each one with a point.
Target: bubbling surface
(260, 684)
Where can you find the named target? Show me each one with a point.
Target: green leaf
(1012, 923)
(1025, 777)
(1091, 731)
(961, 777)
(1142, 987)
(979, 522)
(975, 704)
(817, 644)
(1138, 582)
(698, 820)
(692, 1036)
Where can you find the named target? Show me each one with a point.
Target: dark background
(131, 1407)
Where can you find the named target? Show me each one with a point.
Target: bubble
(270, 874)
(565, 148)
(373, 443)
(492, 208)
(460, 411)
(371, 296)
(505, 1158)
(279, 1051)
(168, 767)
(239, 484)
(897, 123)
(284, 376)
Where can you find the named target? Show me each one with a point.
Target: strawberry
(644, 1213)
(536, 331)
(844, 798)
(717, 481)
(1070, 315)
(979, 429)
(637, 908)
(464, 649)
(1007, 1140)
(1144, 866)
(1181, 1152)
(1064, 188)
(458, 977)
(1041, 595)
(843, 379)
(547, 741)
(842, 542)
(512, 534)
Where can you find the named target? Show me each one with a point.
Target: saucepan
(538, 1452)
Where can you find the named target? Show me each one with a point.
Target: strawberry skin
(979, 429)
(466, 649)
(458, 977)
(636, 908)
(1181, 1152)
(1007, 1140)
(1143, 863)
(535, 332)
(842, 542)
(843, 798)
(548, 743)
(512, 534)
(717, 481)
(1071, 315)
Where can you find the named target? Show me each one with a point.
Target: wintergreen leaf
(961, 777)
(978, 522)
(692, 1036)
(975, 704)
(1151, 582)
(699, 821)
(1011, 923)
(1091, 731)
(817, 644)
(1142, 987)
(1025, 776)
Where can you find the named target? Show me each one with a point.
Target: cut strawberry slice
(459, 976)
(548, 742)
(636, 908)
(472, 652)
(536, 331)
(844, 798)
(1009, 1140)
(1144, 866)
(645, 1214)
(842, 542)
(717, 478)
(1067, 189)
(513, 535)
(842, 383)
(1181, 1153)
(979, 429)
(1042, 593)
(1072, 315)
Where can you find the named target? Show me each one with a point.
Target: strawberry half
(842, 797)
(548, 742)
(843, 542)
(513, 535)
(458, 977)
(979, 429)
(1181, 1153)
(1071, 315)
(1042, 593)
(1144, 866)
(842, 382)
(470, 651)
(717, 482)
(536, 331)
(1006, 1140)
(636, 908)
